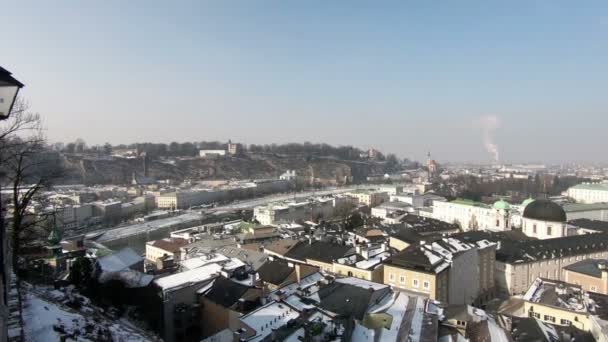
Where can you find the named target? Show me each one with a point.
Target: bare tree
(26, 171)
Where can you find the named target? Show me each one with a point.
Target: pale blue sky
(403, 76)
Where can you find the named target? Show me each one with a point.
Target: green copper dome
(527, 201)
(502, 205)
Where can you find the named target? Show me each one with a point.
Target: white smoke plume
(488, 125)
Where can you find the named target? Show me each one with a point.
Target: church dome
(545, 210)
(527, 201)
(502, 205)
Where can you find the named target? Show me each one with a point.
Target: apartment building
(447, 270)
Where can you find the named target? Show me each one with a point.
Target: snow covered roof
(196, 262)
(264, 319)
(191, 277)
(119, 261)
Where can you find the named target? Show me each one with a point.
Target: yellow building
(411, 272)
(370, 198)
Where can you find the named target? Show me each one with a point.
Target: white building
(589, 192)
(211, 153)
(544, 219)
(591, 211)
(272, 213)
(417, 200)
(471, 215)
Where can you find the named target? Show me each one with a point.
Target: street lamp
(9, 88)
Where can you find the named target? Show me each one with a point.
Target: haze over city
(403, 77)
(303, 171)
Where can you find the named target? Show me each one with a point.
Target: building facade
(589, 193)
(472, 215)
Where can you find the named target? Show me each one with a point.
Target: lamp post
(9, 88)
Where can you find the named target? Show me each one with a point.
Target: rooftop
(591, 186)
(350, 299)
(590, 267)
(268, 317)
(226, 292)
(171, 245)
(513, 250)
(578, 207)
(319, 250)
(567, 297)
(280, 247)
(121, 260)
(600, 226)
(188, 278)
(463, 201)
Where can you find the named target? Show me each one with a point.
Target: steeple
(54, 237)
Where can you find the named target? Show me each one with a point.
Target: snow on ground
(46, 321)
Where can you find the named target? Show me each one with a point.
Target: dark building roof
(426, 225)
(226, 292)
(275, 272)
(545, 210)
(600, 226)
(511, 250)
(529, 330)
(280, 246)
(590, 267)
(319, 250)
(412, 237)
(413, 257)
(349, 300)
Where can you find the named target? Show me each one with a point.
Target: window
(565, 322)
(534, 228)
(415, 282)
(548, 230)
(549, 318)
(391, 277)
(534, 315)
(497, 223)
(426, 285)
(402, 279)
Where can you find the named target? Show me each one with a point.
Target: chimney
(298, 273)
(604, 269)
(241, 305)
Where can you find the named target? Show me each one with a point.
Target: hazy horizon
(526, 79)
